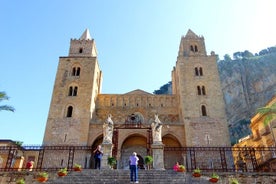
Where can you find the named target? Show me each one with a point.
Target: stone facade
(194, 115)
(262, 141)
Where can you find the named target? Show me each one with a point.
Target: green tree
(227, 57)
(269, 113)
(3, 96)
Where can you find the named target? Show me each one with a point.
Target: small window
(69, 112)
(200, 71)
(192, 48)
(196, 48)
(78, 71)
(73, 91)
(203, 110)
(203, 90)
(80, 50)
(196, 71)
(75, 71)
(198, 90)
(70, 93)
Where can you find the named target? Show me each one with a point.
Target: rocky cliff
(247, 84)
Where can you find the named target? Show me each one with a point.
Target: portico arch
(97, 141)
(170, 157)
(133, 143)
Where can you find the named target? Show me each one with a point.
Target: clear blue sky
(137, 43)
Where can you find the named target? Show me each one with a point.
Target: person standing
(98, 154)
(134, 167)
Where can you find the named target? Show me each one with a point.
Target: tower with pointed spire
(77, 84)
(196, 82)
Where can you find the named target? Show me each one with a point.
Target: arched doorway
(171, 157)
(97, 142)
(134, 143)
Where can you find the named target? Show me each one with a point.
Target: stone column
(107, 152)
(158, 155)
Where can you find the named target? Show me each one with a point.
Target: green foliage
(165, 89)
(63, 170)
(43, 174)
(227, 57)
(197, 170)
(20, 181)
(111, 161)
(77, 166)
(234, 181)
(181, 167)
(148, 159)
(268, 112)
(3, 96)
(18, 143)
(215, 175)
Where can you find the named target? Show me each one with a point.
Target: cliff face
(247, 84)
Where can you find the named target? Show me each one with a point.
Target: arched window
(80, 50)
(192, 48)
(73, 91)
(203, 110)
(78, 71)
(75, 71)
(70, 91)
(203, 90)
(196, 71)
(200, 71)
(196, 48)
(198, 90)
(69, 112)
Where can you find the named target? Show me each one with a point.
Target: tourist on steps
(134, 167)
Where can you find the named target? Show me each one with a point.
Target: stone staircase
(122, 176)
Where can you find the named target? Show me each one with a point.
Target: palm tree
(3, 96)
(269, 113)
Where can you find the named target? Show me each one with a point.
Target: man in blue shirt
(98, 154)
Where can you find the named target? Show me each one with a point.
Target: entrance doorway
(134, 143)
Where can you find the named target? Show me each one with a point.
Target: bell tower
(77, 84)
(195, 80)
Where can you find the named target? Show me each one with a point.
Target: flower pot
(180, 170)
(42, 179)
(196, 174)
(213, 180)
(61, 174)
(77, 169)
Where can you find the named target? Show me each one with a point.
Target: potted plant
(20, 181)
(214, 178)
(197, 172)
(148, 161)
(62, 172)
(111, 161)
(234, 181)
(181, 168)
(42, 177)
(77, 167)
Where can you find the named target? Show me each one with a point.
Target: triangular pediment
(138, 92)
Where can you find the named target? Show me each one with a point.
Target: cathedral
(192, 116)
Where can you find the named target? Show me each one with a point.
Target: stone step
(123, 176)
